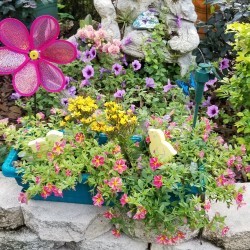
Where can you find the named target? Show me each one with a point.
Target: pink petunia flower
(58, 147)
(98, 161)
(68, 172)
(162, 239)
(38, 179)
(124, 200)
(154, 163)
(23, 198)
(79, 137)
(116, 233)
(157, 182)
(116, 184)
(30, 57)
(120, 166)
(98, 200)
(224, 231)
(57, 168)
(239, 200)
(140, 213)
(221, 181)
(207, 206)
(109, 215)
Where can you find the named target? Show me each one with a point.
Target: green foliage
(216, 43)
(43, 101)
(156, 54)
(237, 88)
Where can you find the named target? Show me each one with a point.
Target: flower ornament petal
(52, 78)
(26, 80)
(43, 31)
(61, 52)
(11, 61)
(14, 35)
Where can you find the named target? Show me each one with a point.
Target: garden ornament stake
(201, 77)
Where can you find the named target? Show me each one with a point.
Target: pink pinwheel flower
(31, 58)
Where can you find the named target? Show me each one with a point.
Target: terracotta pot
(203, 11)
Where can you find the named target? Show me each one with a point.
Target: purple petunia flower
(88, 72)
(64, 102)
(212, 111)
(207, 102)
(72, 91)
(87, 57)
(189, 105)
(124, 60)
(167, 87)
(132, 107)
(136, 65)
(119, 93)
(123, 84)
(84, 83)
(93, 52)
(15, 96)
(210, 83)
(150, 83)
(178, 21)
(224, 64)
(127, 41)
(117, 69)
(78, 54)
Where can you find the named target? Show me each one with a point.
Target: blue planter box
(80, 195)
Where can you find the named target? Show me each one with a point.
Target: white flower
(54, 136)
(37, 145)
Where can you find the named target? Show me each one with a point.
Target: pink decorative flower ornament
(31, 58)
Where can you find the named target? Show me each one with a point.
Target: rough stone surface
(107, 11)
(109, 242)
(238, 221)
(185, 61)
(70, 222)
(11, 215)
(24, 239)
(138, 38)
(141, 234)
(186, 40)
(190, 245)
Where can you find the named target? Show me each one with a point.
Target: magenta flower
(30, 57)
(136, 65)
(119, 93)
(150, 83)
(224, 231)
(154, 163)
(124, 200)
(210, 83)
(117, 69)
(88, 72)
(23, 198)
(98, 200)
(212, 111)
(120, 166)
(224, 64)
(157, 181)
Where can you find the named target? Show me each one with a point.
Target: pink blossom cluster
(164, 240)
(140, 213)
(154, 163)
(49, 189)
(98, 39)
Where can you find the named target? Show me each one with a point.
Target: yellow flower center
(34, 54)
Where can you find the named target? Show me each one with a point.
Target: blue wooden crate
(80, 195)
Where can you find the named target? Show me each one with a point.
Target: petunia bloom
(120, 166)
(117, 69)
(154, 163)
(136, 65)
(157, 182)
(30, 57)
(124, 200)
(98, 161)
(150, 83)
(98, 200)
(212, 111)
(119, 93)
(88, 72)
(224, 64)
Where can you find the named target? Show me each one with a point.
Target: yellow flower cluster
(115, 119)
(81, 108)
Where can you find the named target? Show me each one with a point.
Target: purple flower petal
(150, 83)
(212, 111)
(117, 69)
(119, 93)
(224, 64)
(136, 65)
(88, 72)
